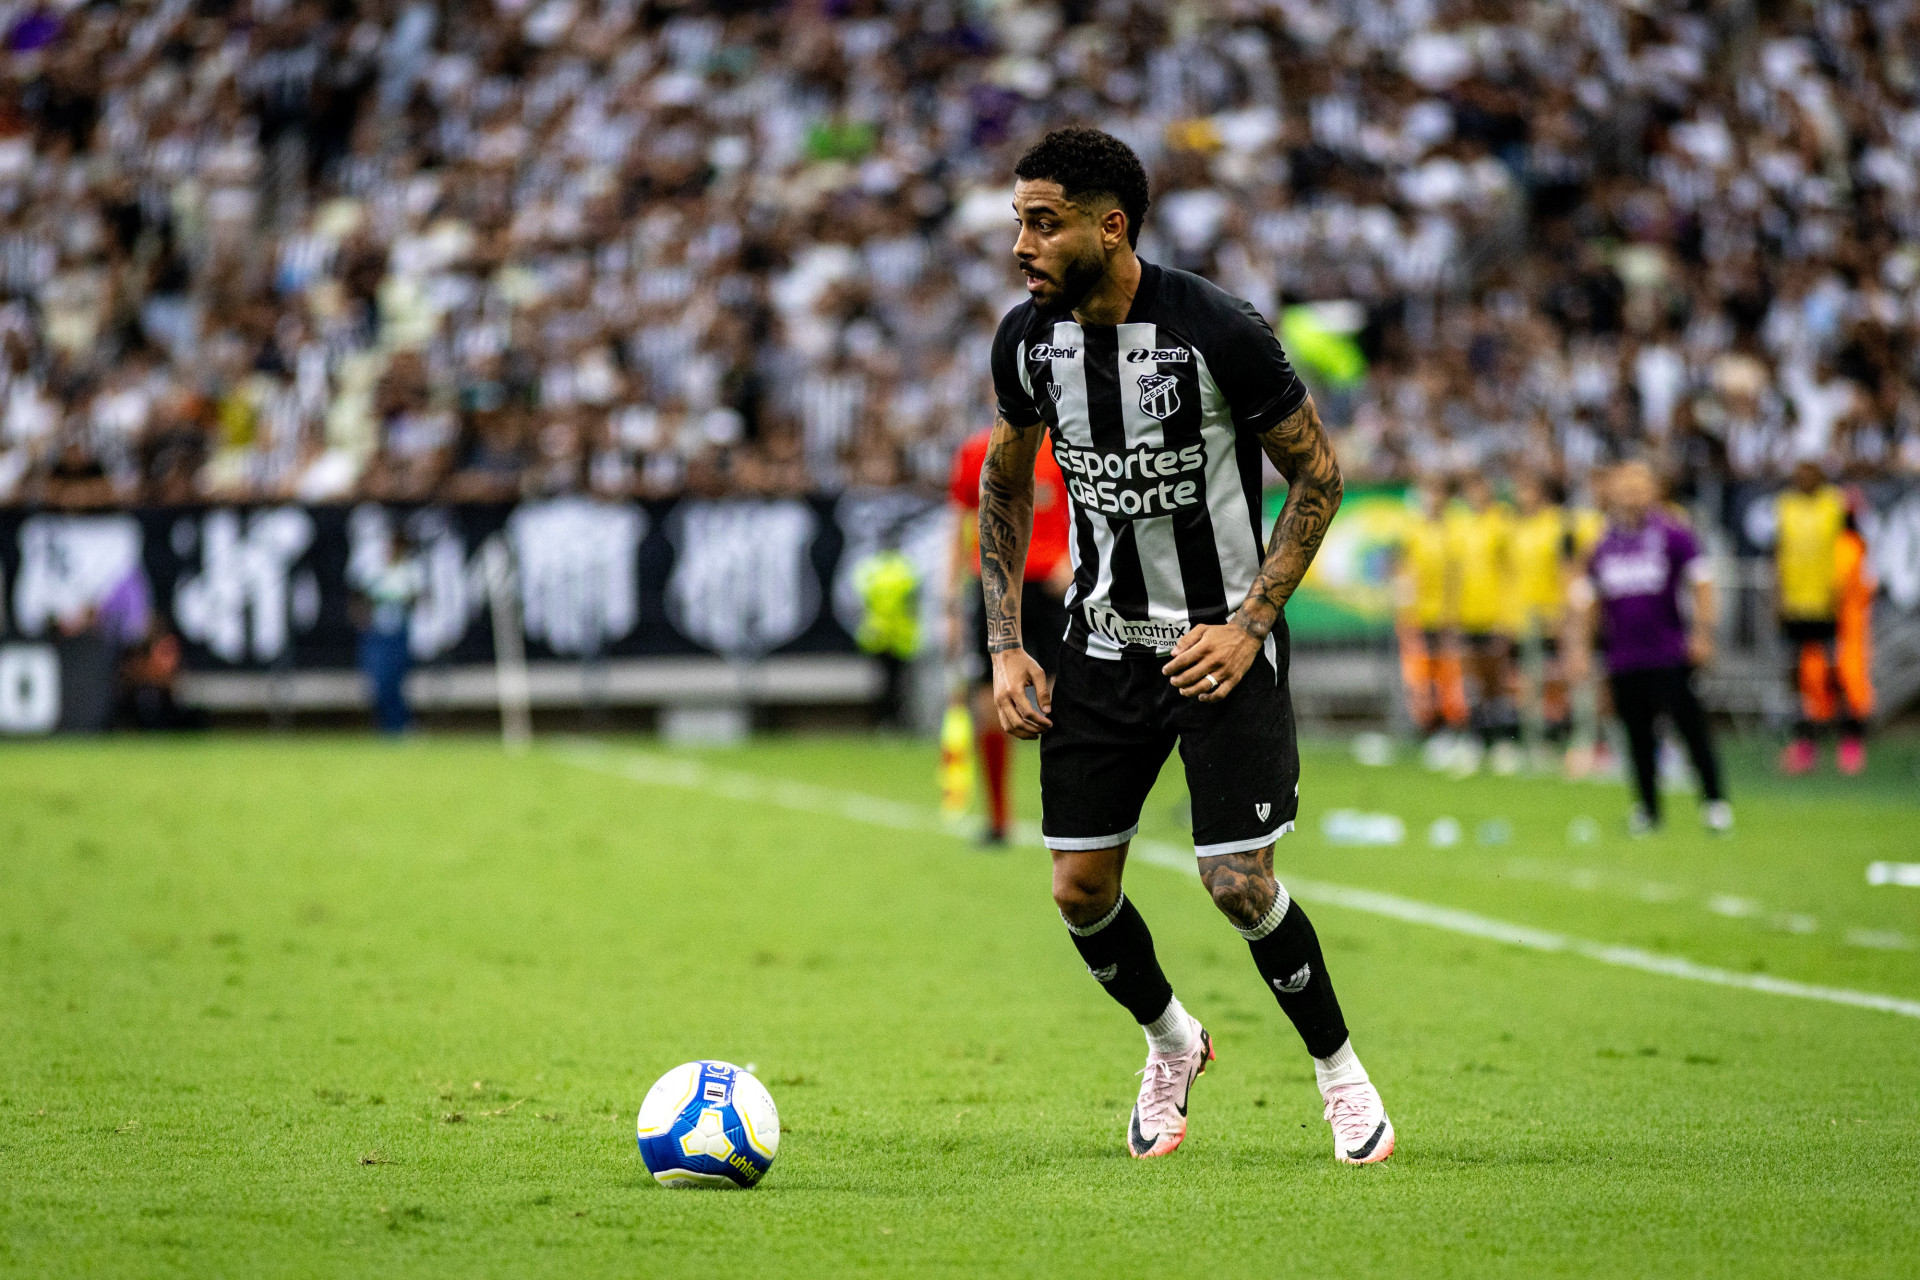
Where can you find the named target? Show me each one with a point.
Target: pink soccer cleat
(1799, 758)
(1851, 757)
(1159, 1122)
(1362, 1134)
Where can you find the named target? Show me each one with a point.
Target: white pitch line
(805, 797)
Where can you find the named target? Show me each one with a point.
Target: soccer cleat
(1851, 757)
(1641, 823)
(1159, 1121)
(1799, 758)
(1718, 815)
(1362, 1134)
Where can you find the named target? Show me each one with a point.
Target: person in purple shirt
(1629, 602)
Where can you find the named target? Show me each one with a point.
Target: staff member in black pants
(1635, 575)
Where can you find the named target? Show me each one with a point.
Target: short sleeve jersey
(1048, 545)
(1637, 574)
(1481, 541)
(1155, 425)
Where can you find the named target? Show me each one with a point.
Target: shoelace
(1348, 1116)
(1162, 1076)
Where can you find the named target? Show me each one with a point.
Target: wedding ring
(1213, 681)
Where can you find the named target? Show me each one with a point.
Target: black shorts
(1799, 631)
(1043, 625)
(1115, 720)
(1486, 644)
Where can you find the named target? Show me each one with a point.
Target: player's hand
(1021, 694)
(1700, 649)
(1209, 660)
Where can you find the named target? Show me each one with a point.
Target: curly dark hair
(1088, 163)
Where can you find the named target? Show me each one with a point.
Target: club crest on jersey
(1158, 355)
(1159, 395)
(1053, 353)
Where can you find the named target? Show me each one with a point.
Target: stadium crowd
(317, 249)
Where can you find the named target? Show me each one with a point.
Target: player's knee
(1244, 893)
(1083, 896)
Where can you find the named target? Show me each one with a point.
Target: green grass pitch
(334, 1007)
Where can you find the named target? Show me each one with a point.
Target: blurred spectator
(277, 249)
(382, 612)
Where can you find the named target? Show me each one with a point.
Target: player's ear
(1113, 228)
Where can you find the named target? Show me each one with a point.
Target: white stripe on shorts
(1241, 846)
(1080, 844)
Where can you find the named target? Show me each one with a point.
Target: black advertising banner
(269, 587)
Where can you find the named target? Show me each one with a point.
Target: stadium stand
(404, 250)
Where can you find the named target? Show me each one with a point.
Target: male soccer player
(1042, 609)
(1543, 546)
(1159, 391)
(1426, 584)
(1812, 538)
(1481, 535)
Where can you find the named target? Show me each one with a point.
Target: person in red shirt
(1043, 608)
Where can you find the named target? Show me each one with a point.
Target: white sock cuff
(1341, 1067)
(1270, 921)
(1171, 1032)
(1085, 930)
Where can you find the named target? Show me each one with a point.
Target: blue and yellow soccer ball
(708, 1124)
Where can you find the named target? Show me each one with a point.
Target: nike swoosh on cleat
(1372, 1142)
(1200, 1069)
(1140, 1143)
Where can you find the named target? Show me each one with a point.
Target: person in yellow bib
(1481, 536)
(1810, 516)
(1426, 590)
(1543, 553)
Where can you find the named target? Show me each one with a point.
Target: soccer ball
(708, 1124)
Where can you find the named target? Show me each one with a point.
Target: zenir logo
(1157, 355)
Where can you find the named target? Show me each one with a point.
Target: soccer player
(1542, 550)
(1426, 588)
(1042, 606)
(1636, 573)
(1160, 392)
(1481, 537)
(1811, 517)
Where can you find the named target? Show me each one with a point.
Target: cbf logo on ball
(708, 1124)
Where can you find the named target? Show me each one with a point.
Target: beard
(1077, 280)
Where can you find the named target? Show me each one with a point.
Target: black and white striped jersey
(1155, 425)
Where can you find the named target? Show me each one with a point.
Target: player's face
(1062, 248)
(1633, 492)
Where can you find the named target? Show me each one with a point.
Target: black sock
(1119, 953)
(1287, 952)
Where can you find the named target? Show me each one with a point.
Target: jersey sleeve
(1011, 389)
(1251, 370)
(1683, 549)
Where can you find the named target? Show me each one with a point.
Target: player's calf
(1287, 952)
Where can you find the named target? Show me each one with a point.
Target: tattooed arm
(1300, 450)
(1006, 523)
(1302, 453)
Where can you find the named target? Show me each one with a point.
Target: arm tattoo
(1300, 449)
(1006, 523)
(1242, 884)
